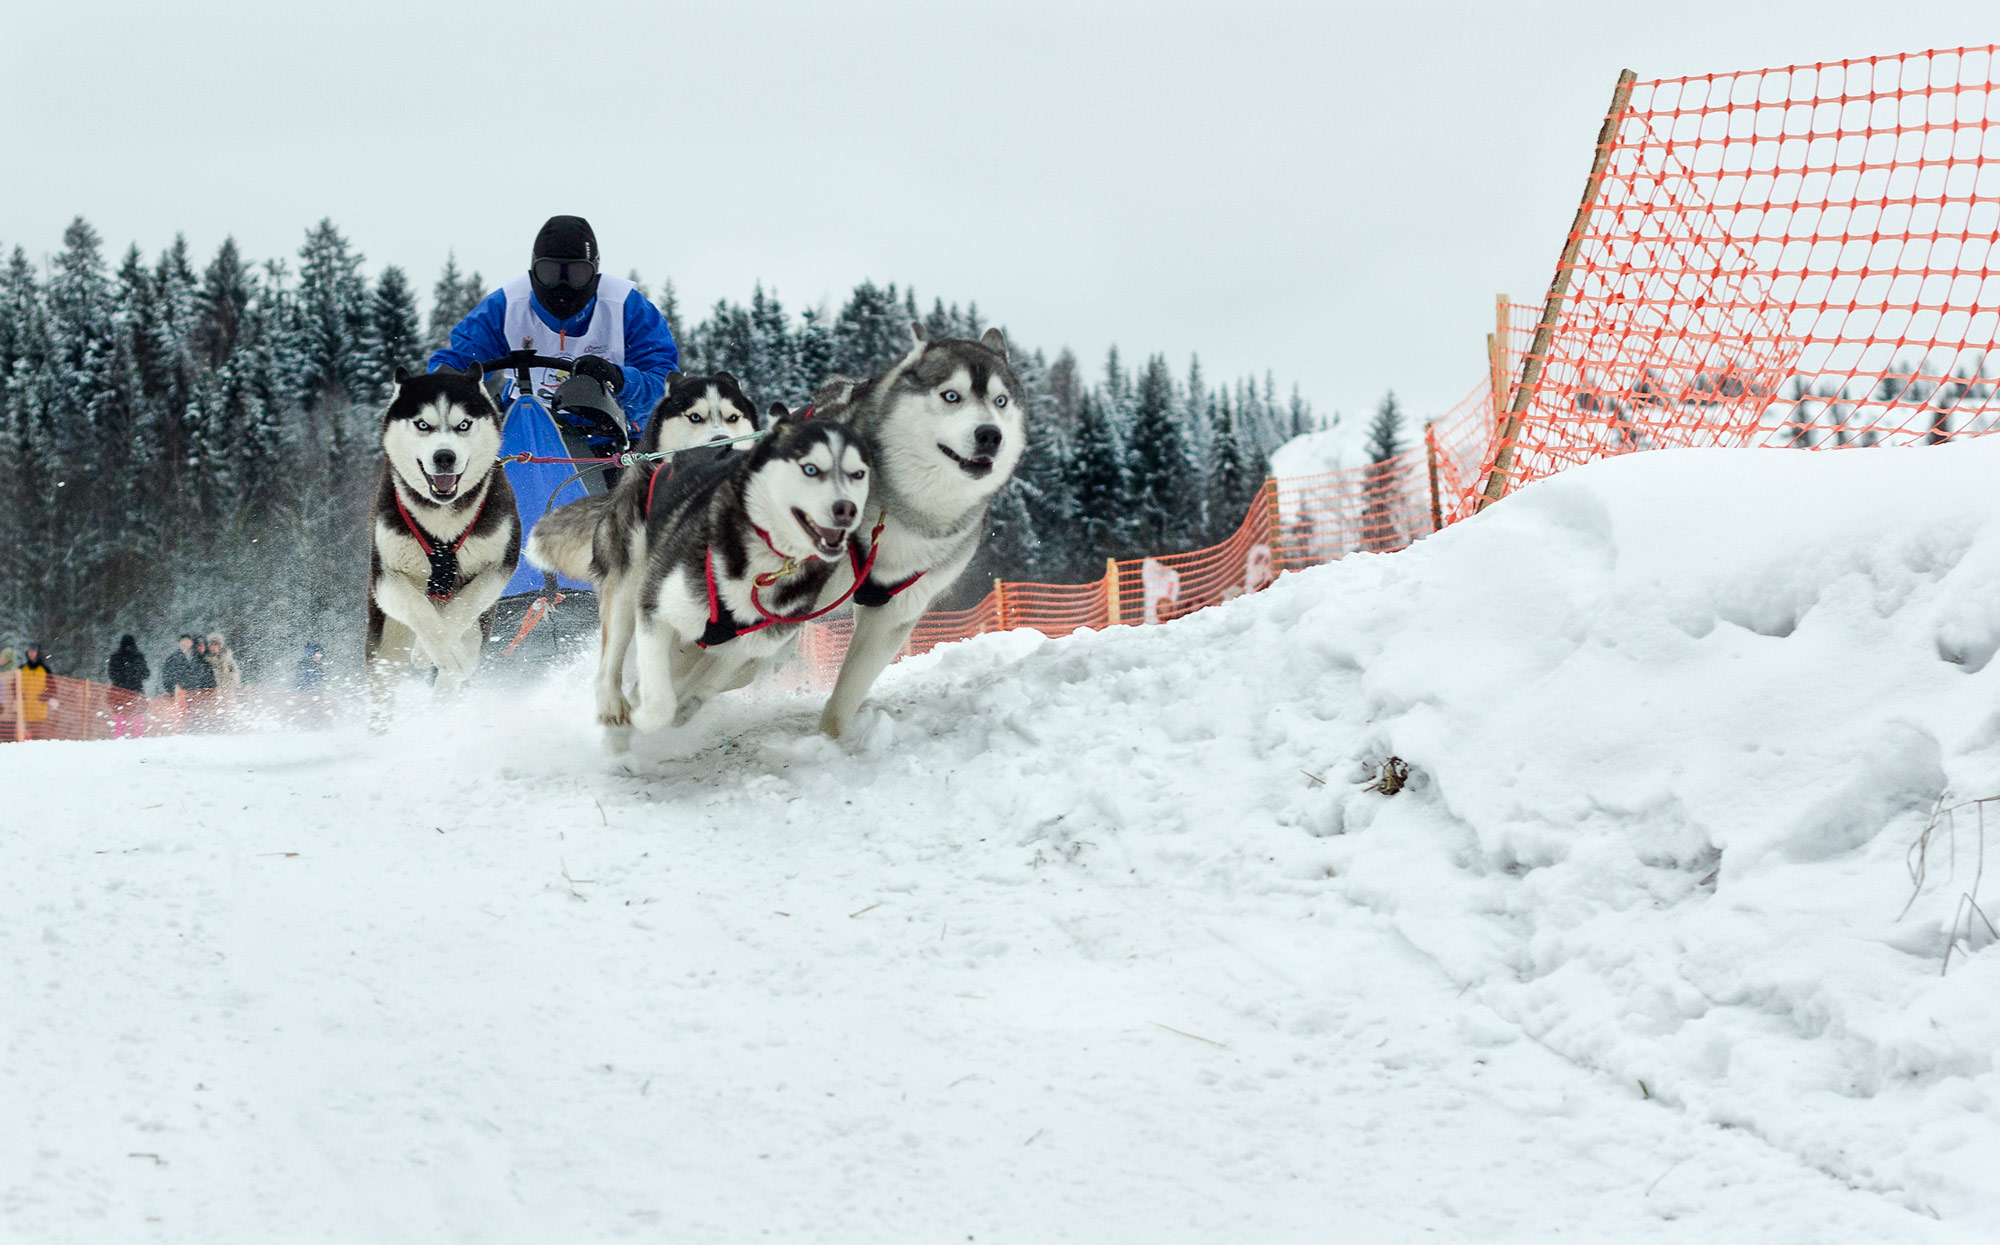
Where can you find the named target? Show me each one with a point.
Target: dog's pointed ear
(917, 331)
(779, 411)
(473, 371)
(727, 379)
(994, 340)
(673, 381)
(402, 373)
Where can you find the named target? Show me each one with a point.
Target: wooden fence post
(1111, 616)
(20, 708)
(1498, 479)
(1431, 453)
(1274, 526)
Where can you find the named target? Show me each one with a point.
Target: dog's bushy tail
(562, 542)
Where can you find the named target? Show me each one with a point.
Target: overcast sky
(1333, 192)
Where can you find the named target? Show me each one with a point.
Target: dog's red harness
(443, 582)
(723, 627)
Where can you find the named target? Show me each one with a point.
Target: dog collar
(443, 582)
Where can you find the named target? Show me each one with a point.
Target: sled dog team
(707, 563)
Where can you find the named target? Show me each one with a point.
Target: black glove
(603, 371)
(593, 424)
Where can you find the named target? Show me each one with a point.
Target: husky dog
(711, 560)
(600, 539)
(947, 427)
(446, 537)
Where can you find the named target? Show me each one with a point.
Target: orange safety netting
(33, 706)
(1787, 257)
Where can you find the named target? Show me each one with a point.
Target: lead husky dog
(710, 562)
(600, 539)
(446, 537)
(947, 427)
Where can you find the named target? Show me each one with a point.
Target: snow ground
(1097, 939)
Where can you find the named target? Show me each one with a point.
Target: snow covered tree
(1065, 390)
(1385, 431)
(812, 361)
(1234, 473)
(224, 300)
(772, 351)
(1098, 489)
(669, 303)
(1385, 444)
(872, 331)
(333, 311)
(1168, 511)
(393, 339)
(452, 299)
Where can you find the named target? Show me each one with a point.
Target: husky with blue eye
(445, 536)
(947, 428)
(706, 576)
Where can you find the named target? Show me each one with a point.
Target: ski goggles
(577, 274)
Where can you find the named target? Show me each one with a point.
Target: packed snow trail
(1097, 939)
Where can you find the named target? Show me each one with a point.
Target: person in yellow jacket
(34, 690)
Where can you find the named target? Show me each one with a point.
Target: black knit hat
(566, 237)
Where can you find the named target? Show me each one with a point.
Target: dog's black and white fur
(430, 599)
(947, 428)
(771, 527)
(601, 539)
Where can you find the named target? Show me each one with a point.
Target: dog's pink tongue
(443, 484)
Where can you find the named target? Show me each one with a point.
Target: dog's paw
(649, 718)
(613, 709)
(831, 724)
(617, 739)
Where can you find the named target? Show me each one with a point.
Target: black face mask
(570, 242)
(562, 299)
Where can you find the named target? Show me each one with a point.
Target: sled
(541, 614)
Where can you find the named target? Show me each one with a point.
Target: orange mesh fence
(36, 706)
(1788, 257)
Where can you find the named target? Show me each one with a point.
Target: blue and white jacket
(632, 333)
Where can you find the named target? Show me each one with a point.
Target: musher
(565, 308)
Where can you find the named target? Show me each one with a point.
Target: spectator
(183, 671)
(312, 670)
(35, 693)
(128, 671)
(9, 660)
(204, 671)
(223, 662)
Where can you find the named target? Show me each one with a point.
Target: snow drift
(1104, 937)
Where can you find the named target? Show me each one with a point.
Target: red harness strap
(665, 464)
(443, 582)
(721, 630)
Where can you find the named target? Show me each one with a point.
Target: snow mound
(1318, 453)
(1104, 938)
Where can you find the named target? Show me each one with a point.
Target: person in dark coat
(184, 670)
(312, 669)
(128, 671)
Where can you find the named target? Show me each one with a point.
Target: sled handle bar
(520, 361)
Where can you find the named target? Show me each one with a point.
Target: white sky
(1331, 191)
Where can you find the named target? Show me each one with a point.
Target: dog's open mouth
(978, 467)
(826, 540)
(443, 486)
